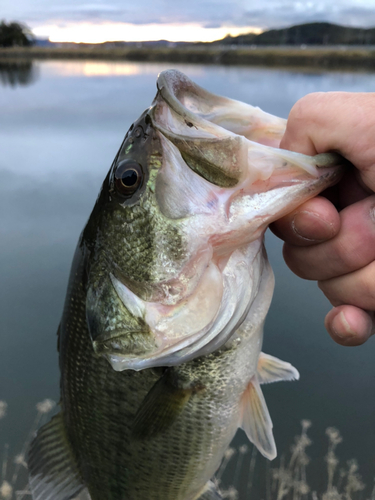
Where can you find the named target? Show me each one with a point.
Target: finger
(349, 325)
(335, 121)
(315, 221)
(357, 288)
(351, 249)
(351, 189)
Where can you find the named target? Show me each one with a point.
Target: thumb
(335, 121)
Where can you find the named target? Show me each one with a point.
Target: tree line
(15, 34)
(306, 34)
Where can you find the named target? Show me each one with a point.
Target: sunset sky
(96, 21)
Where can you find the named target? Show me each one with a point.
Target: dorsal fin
(256, 420)
(53, 474)
(271, 369)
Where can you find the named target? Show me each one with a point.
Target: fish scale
(161, 335)
(146, 233)
(91, 384)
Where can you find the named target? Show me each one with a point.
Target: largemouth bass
(161, 335)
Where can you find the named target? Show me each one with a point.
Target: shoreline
(324, 58)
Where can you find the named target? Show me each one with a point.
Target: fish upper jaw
(204, 112)
(273, 183)
(218, 168)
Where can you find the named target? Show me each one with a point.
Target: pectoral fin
(256, 420)
(161, 406)
(271, 369)
(53, 474)
(210, 492)
(84, 495)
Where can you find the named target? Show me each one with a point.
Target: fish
(161, 334)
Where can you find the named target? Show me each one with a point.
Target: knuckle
(305, 107)
(330, 292)
(346, 254)
(368, 290)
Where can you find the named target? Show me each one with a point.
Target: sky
(95, 21)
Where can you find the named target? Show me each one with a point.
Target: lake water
(61, 124)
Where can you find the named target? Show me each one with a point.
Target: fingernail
(311, 226)
(343, 326)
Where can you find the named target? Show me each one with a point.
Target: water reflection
(94, 68)
(109, 69)
(16, 72)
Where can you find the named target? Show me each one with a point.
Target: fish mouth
(232, 146)
(206, 115)
(225, 180)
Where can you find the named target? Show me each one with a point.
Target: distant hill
(41, 42)
(306, 34)
(152, 43)
(302, 34)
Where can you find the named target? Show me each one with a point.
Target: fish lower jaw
(180, 334)
(129, 343)
(121, 357)
(139, 349)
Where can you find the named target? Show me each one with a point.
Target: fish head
(175, 239)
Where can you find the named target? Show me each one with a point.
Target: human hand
(331, 239)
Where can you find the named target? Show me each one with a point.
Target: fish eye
(128, 177)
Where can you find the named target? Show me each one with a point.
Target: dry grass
(288, 481)
(13, 479)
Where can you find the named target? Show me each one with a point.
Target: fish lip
(164, 84)
(173, 86)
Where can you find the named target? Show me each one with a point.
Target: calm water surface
(61, 124)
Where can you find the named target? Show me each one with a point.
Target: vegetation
(306, 34)
(14, 34)
(13, 472)
(317, 46)
(289, 480)
(314, 58)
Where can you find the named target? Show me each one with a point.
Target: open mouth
(216, 162)
(223, 174)
(227, 140)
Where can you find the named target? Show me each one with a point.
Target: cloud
(211, 13)
(357, 17)
(278, 14)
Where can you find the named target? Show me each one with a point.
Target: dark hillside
(307, 34)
